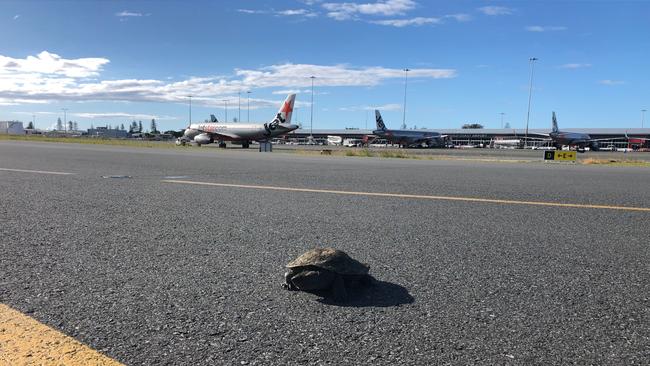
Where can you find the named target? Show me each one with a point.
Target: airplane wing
(635, 138)
(547, 138)
(222, 136)
(429, 138)
(614, 138)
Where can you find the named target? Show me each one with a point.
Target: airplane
(406, 138)
(334, 140)
(578, 139)
(506, 143)
(240, 133)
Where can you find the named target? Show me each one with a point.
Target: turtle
(326, 269)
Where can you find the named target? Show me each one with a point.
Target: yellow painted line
(34, 171)
(25, 341)
(414, 196)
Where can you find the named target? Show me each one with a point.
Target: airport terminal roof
(643, 132)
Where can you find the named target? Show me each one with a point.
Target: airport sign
(560, 155)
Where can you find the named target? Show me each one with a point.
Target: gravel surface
(159, 273)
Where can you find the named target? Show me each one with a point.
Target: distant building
(105, 132)
(11, 128)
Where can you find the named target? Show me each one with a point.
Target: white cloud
(495, 10)
(251, 11)
(296, 12)
(460, 17)
(611, 82)
(297, 75)
(288, 12)
(49, 77)
(345, 11)
(406, 22)
(385, 107)
(121, 115)
(38, 113)
(16, 16)
(548, 28)
(49, 63)
(574, 66)
(288, 91)
(127, 13)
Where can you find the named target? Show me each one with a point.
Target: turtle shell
(331, 259)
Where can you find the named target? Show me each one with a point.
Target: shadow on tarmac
(379, 294)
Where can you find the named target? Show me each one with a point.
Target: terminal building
(485, 137)
(107, 132)
(11, 128)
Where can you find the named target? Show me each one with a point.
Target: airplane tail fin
(213, 119)
(286, 111)
(555, 129)
(379, 120)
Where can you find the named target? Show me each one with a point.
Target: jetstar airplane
(240, 133)
(578, 139)
(406, 138)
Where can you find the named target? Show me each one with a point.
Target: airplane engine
(594, 146)
(203, 139)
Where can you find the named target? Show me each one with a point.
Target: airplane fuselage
(407, 137)
(237, 131)
(571, 138)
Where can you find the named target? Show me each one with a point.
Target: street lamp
(225, 108)
(65, 124)
(248, 106)
(530, 93)
(642, 117)
(502, 119)
(406, 77)
(239, 106)
(311, 117)
(190, 109)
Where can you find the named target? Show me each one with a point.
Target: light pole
(225, 108)
(502, 119)
(530, 93)
(248, 106)
(366, 119)
(239, 106)
(190, 109)
(406, 78)
(34, 121)
(642, 117)
(65, 123)
(311, 116)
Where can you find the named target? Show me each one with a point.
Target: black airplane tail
(380, 121)
(554, 127)
(213, 119)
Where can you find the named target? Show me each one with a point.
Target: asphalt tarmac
(150, 268)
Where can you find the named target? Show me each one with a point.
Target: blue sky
(110, 62)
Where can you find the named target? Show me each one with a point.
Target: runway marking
(25, 341)
(35, 171)
(415, 196)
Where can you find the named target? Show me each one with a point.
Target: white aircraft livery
(241, 133)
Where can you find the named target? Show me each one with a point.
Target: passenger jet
(578, 139)
(406, 138)
(240, 133)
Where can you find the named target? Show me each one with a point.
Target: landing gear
(245, 145)
(222, 145)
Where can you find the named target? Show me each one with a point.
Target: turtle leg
(287, 280)
(338, 289)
